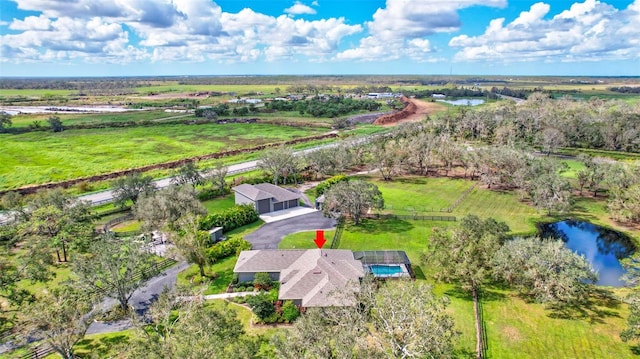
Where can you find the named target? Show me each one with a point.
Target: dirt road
(415, 110)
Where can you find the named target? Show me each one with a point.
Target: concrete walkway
(229, 295)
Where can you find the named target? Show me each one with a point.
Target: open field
(44, 157)
(76, 119)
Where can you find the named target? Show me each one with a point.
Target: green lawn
(39, 157)
(127, 226)
(219, 204)
(421, 194)
(102, 345)
(516, 329)
(575, 166)
(426, 194)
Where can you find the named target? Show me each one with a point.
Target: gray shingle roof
(251, 192)
(264, 191)
(280, 194)
(313, 275)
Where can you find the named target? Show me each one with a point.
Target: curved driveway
(269, 235)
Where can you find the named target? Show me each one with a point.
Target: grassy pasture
(39, 157)
(35, 92)
(426, 194)
(238, 89)
(75, 119)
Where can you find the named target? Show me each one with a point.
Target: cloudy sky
(223, 37)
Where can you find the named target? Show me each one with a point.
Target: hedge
(224, 249)
(324, 185)
(232, 218)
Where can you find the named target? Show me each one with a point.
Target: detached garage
(265, 197)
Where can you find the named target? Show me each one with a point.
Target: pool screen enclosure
(384, 258)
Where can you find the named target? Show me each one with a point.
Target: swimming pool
(386, 270)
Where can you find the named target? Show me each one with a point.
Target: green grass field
(40, 157)
(424, 195)
(75, 119)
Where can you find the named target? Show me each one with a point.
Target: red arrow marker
(320, 239)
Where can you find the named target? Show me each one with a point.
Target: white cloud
(589, 31)
(401, 22)
(31, 23)
(168, 30)
(299, 9)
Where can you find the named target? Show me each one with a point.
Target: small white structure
(438, 95)
(216, 234)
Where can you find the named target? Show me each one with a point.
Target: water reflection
(602, 247)
(463, 102)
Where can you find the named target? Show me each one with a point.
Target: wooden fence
(37, 352)
(335, 242)
(413, 217)
(107, 226)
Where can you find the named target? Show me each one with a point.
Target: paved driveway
(269, 235)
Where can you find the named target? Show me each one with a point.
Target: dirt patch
(415, 110)
(511, 333)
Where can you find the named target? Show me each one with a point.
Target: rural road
(107, 196)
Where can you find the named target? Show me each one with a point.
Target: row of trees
(547, 123)
(54, 122)
(331, 107)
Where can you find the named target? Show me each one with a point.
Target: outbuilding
(266, 197)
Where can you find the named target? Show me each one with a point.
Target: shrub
(232, 218)
(262, 306)
(324, 185)
(290, 311)
(224, 249)
(262, 280)
(210, 193)
(84, 186)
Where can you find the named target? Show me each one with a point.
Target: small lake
(602, 247)
(463, 102)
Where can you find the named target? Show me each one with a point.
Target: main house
(265, 197)
(309, 278)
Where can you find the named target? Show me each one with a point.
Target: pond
(463, 102)
(602, 247)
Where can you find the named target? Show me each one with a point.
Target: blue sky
(228, 37)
